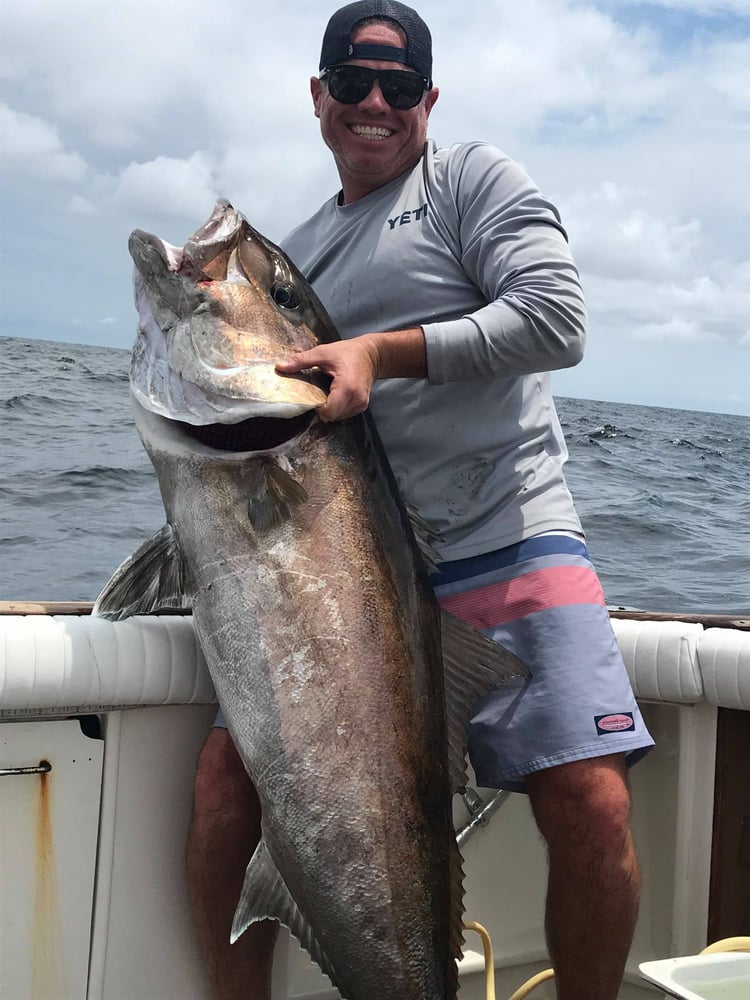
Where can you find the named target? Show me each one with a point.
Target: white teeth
(371, 131)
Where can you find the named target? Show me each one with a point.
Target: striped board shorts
(541, 598)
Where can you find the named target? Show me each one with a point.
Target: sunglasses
(351, 84)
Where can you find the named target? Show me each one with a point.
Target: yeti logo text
(414, 215)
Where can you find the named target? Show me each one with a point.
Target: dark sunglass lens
(348, 86)
(402, 93)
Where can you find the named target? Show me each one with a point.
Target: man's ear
(316, 89)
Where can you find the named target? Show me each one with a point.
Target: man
(449, 276)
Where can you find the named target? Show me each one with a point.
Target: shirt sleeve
(513, 247)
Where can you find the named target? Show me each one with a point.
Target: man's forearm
(400, 353)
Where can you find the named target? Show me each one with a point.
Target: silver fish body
(326, 647)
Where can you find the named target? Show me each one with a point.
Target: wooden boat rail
(85, 608)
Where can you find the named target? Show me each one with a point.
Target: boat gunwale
(707, 620)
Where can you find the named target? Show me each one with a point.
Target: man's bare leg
(224, 832)
(583, 812)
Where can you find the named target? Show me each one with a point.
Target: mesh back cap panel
(337, 40)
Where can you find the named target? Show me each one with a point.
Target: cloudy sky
(633, 117)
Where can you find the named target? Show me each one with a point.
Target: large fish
(346, 694)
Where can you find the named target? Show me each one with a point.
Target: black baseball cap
(337, 40)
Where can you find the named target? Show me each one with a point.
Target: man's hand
(355, 364)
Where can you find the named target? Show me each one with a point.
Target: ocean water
(664, 495)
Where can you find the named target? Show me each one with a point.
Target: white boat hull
(111, 899)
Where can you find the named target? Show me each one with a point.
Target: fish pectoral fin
(154, 577)
(265, 896)
(474, 666)
(276, 494)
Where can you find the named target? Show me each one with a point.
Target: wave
(663, 495)
(102, 476)
(607, 431)
(28, 401)
(107, 378)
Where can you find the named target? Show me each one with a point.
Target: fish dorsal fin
(473, 667)
(276, 494)
(265, 896)
(154, 577)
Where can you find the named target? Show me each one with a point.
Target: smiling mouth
(371, 131)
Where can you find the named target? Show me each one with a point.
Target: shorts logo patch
(620, 722)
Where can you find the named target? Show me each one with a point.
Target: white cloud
(674, 329)
(738, 7)
(119, 69)
(632, 116)
(728, 76)
(620, 232)
(31, 146)
(168, 185)
(82, 206)
(558, 63)
(702, 304)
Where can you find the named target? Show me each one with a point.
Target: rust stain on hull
(47, 973)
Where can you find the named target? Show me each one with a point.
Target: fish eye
(285, 296)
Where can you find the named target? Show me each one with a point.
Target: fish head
(214, 318)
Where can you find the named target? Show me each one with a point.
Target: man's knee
(222, 785)
(585, 800)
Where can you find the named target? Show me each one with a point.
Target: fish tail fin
(264, 894)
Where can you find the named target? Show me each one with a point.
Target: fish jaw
(211, 395)
(168, 441)
(204, 340)
(211, 244)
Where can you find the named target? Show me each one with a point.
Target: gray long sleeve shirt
(465, 246)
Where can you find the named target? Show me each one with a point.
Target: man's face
(371, 142)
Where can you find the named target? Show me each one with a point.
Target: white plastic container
(721, 976)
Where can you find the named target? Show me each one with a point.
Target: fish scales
(344, 756)
(312, 608)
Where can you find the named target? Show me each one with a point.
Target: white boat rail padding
(725, 665)
(661, 659)
(66, 664)
(61, 664)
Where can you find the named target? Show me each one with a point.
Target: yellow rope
(489, 961)
(489, 967)
(728, 944)
(531, 984)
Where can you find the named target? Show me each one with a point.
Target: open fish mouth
(253, 434)
(214, 319)
(231, 442)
